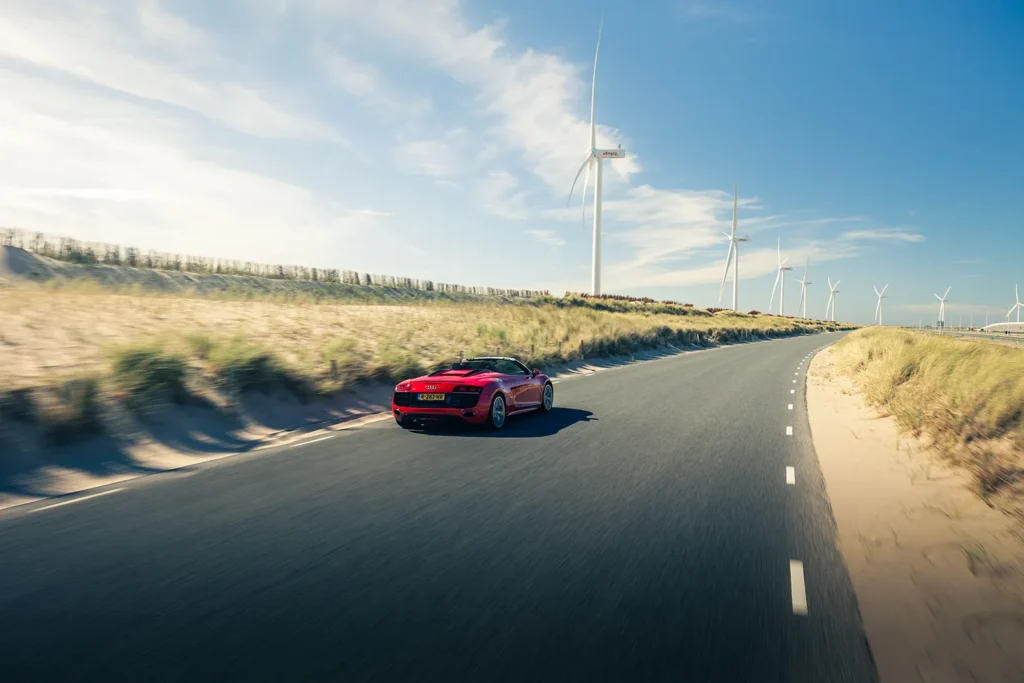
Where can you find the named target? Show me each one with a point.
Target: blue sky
(439, 140)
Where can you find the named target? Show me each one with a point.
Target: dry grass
(48, 332)
(966, 396)
(143, 347)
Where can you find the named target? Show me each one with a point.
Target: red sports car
(474, 391)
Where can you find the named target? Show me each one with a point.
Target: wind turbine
(803, 288)
(593, 158)
(878, 308)
(942, 306)
(833, 289)
(733, 257)
(1017, 305)
(780, 275)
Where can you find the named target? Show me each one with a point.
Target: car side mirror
(535, 372)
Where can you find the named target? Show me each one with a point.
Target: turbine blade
(586, 162)
(735, 203)
(876, 291)
(947, 292)
(829, 282)
(725, 274)
(876, 309)
(593, 88)
(937, 297)
(778, 274)
(837, 284)
(808, 266)
(883, 289)
(1016, 294)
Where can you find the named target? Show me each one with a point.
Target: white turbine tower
(1017, 306)
(780, 276)
(803, 288)
(593, 158)
(733, 257)
(833, 289)
(942, 306)
(878, 308)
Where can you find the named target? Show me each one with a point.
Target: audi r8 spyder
(476, 391)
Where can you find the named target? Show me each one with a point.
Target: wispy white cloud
(84, 42)
(366, 84)
(162, 129)
(499, 195)
(548, 237)
(535, 98)
(128, 176)
(436, 158)
(885, 235)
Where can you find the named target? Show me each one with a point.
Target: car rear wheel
(496, 416)
(549, 398)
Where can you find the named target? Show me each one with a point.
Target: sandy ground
(939, 574)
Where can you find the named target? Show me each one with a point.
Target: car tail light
(467, 390)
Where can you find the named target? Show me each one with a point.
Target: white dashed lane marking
(794, 381)
(76, 500)
(789, 431)
(790, 476)
(792, 391)
(306, 443)
(796, 585)
(790, 407)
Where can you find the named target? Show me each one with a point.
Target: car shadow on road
(518, 427)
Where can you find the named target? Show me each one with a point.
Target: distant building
(1005, 327)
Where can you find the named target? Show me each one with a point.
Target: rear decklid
(446, 380)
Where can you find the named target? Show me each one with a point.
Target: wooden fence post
(334, 370)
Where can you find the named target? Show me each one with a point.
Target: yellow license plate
(431, 397)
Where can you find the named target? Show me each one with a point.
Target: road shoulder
(939, 575)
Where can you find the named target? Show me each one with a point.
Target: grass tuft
(71, 411)
(145, 374)
(244, 366)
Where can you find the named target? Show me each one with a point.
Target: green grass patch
(71, 411)
(244, 366)
(145, 374)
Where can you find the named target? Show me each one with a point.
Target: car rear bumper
(412, 416)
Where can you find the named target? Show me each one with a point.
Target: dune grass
(141, 346)
(144, 374)
(966, 396)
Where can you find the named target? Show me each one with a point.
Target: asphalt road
(642, 531)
